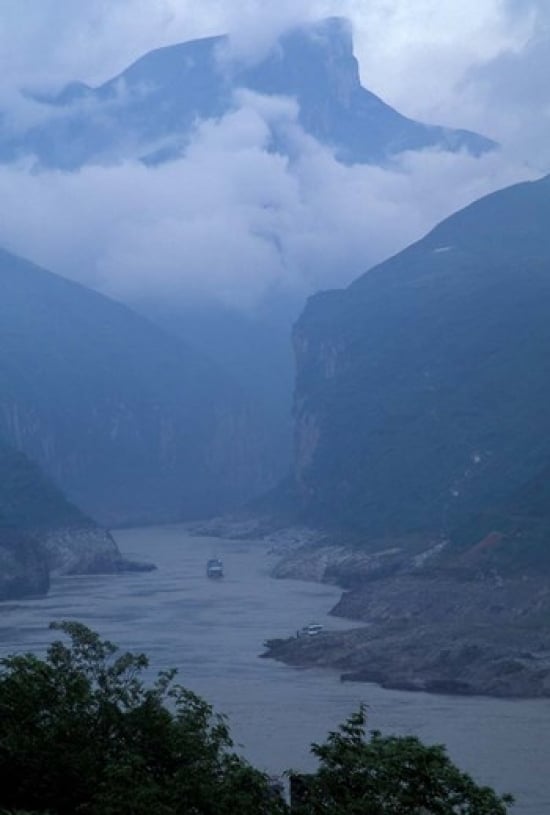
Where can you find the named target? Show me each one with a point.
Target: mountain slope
(422, 431)
(29, 500)
(423, 397)
(132, 424)
(150, 109)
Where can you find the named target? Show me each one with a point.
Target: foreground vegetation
(81, 732)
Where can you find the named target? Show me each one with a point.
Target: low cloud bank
(232, 220)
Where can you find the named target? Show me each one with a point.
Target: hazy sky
(481, 64)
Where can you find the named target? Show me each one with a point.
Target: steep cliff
(315, 65)
(128, 421)
(422, 397)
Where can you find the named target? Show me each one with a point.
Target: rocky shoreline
(86, 550)
(425, 627)
(446, 656)
(29, 559)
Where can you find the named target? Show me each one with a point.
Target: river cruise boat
(310, 630)
(214, 568)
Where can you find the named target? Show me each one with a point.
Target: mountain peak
(312, 61)
(334, 34)
(159, 99)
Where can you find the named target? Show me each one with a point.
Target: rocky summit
(149, 111)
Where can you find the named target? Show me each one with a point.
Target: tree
(389, 775)
(81, 733)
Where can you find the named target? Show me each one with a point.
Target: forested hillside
(423, 397)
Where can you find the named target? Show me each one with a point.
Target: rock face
(422, 389)
(42, 534)
(23, 566)
(130, 423)
(84, 550)
(150, 109)
(315, 65)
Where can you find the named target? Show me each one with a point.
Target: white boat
(214, 567)
(311, 630)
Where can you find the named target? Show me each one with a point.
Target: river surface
(212, 632)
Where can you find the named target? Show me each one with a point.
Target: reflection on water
(213, 630)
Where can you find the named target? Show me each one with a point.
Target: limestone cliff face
(236, 456)
(308, 433)
(320, 359)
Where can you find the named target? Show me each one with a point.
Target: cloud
(49, 42)
(511, 91)
(401, 44)
(417, 53)
(233, 220)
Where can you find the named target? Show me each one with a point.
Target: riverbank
(425, 627)
(407, 648)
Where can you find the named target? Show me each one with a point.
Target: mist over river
(213, 631)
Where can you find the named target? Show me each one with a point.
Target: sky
(197, 227)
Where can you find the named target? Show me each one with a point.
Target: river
(212, 632)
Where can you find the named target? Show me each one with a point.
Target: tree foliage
(362, 774)
(82, 734)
